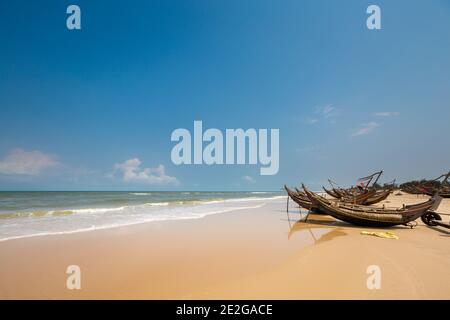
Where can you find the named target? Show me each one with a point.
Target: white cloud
(311, 120)
(365, 129)
(248, 179)
(387, 114)
(308, 149)
(328, 111)
(22, 162)
(132, 172)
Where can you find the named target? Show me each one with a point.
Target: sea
(30, 214)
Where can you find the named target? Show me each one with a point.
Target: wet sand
(248, 254)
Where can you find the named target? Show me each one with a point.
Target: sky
(94, 109)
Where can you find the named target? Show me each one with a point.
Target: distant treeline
(435, 184)
(385, 186)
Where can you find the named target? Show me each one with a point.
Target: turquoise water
(25, 214)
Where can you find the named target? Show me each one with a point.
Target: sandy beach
(260, 253)
(148, 148)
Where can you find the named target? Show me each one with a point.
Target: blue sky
(80, 108)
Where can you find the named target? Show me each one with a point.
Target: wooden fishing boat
(428, 188)
(301, 199)
(364, 182)
(378, 197)
(335, 191)
(362, 185)
(420, 189)
(370, 216)
(411, 190)
(361, 198)
(356, 199)
(339, 192)
(444, 194)
(349, 205)
(331, 192)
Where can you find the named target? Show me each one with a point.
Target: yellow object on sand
(387, 234)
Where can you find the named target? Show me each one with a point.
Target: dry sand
(252, 254)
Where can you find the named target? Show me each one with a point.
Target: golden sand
(249, 254)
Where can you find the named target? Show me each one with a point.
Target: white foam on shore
(39, 214)
(128, 218)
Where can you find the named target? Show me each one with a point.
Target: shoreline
(249, 254)
(61, 233)
(150, 218)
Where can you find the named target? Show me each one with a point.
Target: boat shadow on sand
(323, 228)
(318, 233)
(318, 223)
(444, 232)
